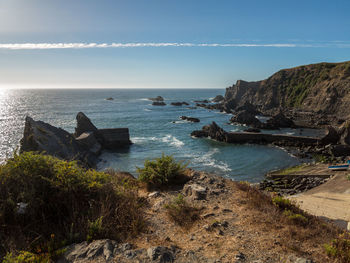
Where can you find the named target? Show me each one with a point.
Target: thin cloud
(43, 46)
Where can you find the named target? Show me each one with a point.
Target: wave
(144, 99)
(207, 159)
(172, 140)
(147, 110)
(169, 139)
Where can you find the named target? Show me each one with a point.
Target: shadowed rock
(158, 103)
(191, 119)
(84, 124)
(218, 98)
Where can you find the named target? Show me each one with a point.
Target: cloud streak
(44, 46)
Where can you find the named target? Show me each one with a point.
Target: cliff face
(323, 88)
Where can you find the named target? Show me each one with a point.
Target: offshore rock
(190, 119)
(158, 98)
(247, 118)
(218, 98)
(158, 103)
(179, 103)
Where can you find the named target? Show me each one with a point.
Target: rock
(252, 130)
(84, 124)
(179, 103)
(114, 138)
(229, 105)
(160, 254)
(89, 141)
(331, 136)
(280, 121)
(158, 103)
(247, 118)
(218, 98)
(303, 260)
(110, 98)
(240, 257)
(344, 133)
(154, 194)
(195, 191)
(190, 119)
(86, 252)
(339, 150)
(42, 137)
(158, 98)
(247, 106)
(201, 101)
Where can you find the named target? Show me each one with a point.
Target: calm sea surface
(153, 130)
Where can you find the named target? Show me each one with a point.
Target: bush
(161, 171)
(339, 248)
(282, 203)
(42, 197)
(297, 219)
(181, 212)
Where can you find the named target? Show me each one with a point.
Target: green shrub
(339, 248)
(297, 219)
(181, 212)
(161, 171)
(26, 257)
(61, 199)
(281, 202)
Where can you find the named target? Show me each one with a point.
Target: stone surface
(158, 98)
(158, 103)
(190, 119)
(179, 103)
(89, 141)
(160, 254)
(84, 124)
(247, 118)
(195, 191)
(45, 138)
(218, 98)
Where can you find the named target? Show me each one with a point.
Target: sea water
(153, 129)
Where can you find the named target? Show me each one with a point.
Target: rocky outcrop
(201, 101)
(110, 98)
(247, 118)
(42, 137)
(190, 119)
(84, 124)
(216, 106)
(322, 88)
(280, 121)
(158, 103)
(248, 107)
(179, 103)
(158, 98)
(85, 145)
(218, 98)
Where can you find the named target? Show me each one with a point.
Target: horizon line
(82, 45)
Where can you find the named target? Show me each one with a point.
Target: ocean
(153, 129)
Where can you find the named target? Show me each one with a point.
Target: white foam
(172, 140)
(138, 140)
(208, 160)
(147, 110)
(144, 99)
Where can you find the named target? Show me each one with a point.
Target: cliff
(322, 88)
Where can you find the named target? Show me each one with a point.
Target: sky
(165, 43)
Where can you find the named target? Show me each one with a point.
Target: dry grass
(180, 212)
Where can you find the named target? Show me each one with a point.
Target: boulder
(339, 150)
(42, 137)
(158, 103)
(89, 141)
(114, 138)
(218, 98)
(179, 103)
(280, 121)
(110, 98)
(247, 118)
(195, 191)
(215, 132)
(158, 98)
(191, 119)
(201, 101)
(344, 133)
(161, 254)
(331, 137)
(83, 125)
(247, 106)
(229, 105)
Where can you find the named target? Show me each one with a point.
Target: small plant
(95, 229)
(282, 203)
(181, 212)
(339, 248)
(297, 219)
(161, 171)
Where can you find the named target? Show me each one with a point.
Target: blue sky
(254, 38)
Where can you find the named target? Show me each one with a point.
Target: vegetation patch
(47, 203)
(339, 248)
(181, 212)
(162, 171)
(292, 170)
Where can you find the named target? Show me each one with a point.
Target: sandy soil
(330, 200)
